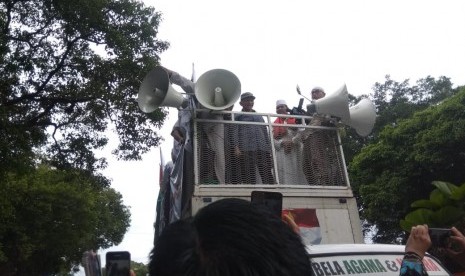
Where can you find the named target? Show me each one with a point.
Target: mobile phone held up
(118, 263)
(439, 236)
(271, 201)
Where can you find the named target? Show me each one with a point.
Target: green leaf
(446, 216)
(458, 194)
(406, 225)
(445, 187)
(419, 216)
(424, 203)
(438, 198)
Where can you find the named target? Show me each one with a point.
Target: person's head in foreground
(229, 237)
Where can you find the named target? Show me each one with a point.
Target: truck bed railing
(233, 148)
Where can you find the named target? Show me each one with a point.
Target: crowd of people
(233, 237)
(229, 237)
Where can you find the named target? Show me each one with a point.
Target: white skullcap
(281, 102)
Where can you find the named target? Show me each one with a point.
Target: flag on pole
(162, 167)
(193, 73)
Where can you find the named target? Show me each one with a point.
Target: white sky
(272, 46)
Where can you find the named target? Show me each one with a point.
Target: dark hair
(229, 237)
(173, 248)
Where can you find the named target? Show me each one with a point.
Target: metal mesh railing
(250, 152)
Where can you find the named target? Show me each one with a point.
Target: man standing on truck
(181, 188)
(288, 148)
(214, 132)
(319, 152)
(252, 144)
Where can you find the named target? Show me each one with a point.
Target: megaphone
(335, 104)
(362, 117)
(217, 89)
(156, 91)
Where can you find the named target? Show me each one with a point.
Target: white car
(364, 259)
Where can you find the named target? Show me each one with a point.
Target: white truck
(326, 210)
(226, 154)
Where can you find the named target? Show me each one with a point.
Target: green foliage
(139, 269)
(50, 217)
(444, 208)
(69, 70)
(389, 173)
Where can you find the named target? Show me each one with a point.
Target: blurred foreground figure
(419, 242)
(229, 237)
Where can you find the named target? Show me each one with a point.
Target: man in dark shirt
(252, 144)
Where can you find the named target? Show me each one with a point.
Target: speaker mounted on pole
(362, 117)
(156, 91)
(217, 89)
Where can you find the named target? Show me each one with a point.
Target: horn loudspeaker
(217, 89)
(335, 104)
(156, 91)
(362, 117)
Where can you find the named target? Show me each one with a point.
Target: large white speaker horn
(363, 117)
(335, 104)
(217, 89)
(156, 91)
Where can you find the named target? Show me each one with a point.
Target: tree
(139, 269)
(389, 174)
(50, 217)
(397, 100)
(69, 70)
(394, 101)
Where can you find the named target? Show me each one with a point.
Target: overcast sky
(272, 46)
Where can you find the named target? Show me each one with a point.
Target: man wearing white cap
(288, 148)
(318, 93)
(320, 146)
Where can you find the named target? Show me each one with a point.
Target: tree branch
(9, 6)
(34, 121)
(59, 65)
(48, 78)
